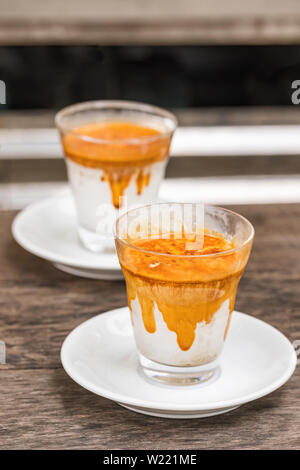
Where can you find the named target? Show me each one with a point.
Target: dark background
(50, 77)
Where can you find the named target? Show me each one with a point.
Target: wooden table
(42, 408)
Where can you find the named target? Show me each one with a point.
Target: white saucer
(48, 229)
(100, 356)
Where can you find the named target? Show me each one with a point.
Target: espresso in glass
(181, 285)
(116, 153)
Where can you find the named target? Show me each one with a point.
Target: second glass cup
(115, 151)
(182, 264)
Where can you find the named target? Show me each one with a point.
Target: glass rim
(118, 104)
(168, 255)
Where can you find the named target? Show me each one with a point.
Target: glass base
(96, 242)
(180, 376)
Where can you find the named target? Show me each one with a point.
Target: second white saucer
(100, 355)
(48, 229)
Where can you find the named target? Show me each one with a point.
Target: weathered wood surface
(219, 116)
(24, 180)
(143, 22)
(42, 408)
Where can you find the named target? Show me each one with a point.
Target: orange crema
(123, 151)
(186, 288)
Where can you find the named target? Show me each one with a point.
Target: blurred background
(50, 77)
(225, 68)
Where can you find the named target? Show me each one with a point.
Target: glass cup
(116, 153)
(182, 264)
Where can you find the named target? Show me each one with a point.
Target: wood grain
(222, 116)
(257, 30)
(137, 22)
(42, 408)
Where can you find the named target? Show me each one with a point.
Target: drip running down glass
(182, 264)
(113, 150)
